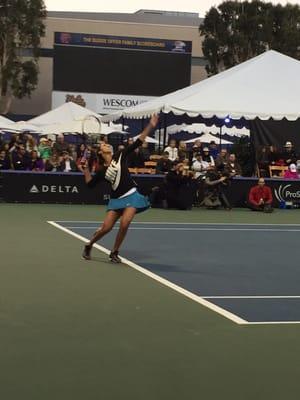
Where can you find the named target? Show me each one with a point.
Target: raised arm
(142, 137)
(152, 124)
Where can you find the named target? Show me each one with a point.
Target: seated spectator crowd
(199, 159)
(274, 162)
(24, 153)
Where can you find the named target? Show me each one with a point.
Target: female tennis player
(125, 200)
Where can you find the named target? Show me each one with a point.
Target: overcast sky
(198, 6)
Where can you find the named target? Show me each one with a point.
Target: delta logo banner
(53, 189)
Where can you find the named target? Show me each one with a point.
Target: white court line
(188, 223)
(197, 229)
(251, 297)
(260, 297)
(274, 323)
(161, 280)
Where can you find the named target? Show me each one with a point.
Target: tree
(21, 29)
(238, 30)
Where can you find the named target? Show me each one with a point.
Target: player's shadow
(138, 256)
(165, 268)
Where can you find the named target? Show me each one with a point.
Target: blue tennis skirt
(135, 200)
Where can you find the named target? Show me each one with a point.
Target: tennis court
(244, 272)
(207, 306)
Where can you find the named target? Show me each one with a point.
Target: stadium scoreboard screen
(87, 63)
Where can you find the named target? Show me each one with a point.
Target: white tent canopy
(207, 138)
(148, 139)
(267, 86)
(69, 117)
(67, 112)
(202, 128)
(108, 129)
(5, 123)
(64, 127)
(25, 126)
(77, 127)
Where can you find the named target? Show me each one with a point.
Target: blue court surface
(247, 273)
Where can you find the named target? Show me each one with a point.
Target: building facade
(145, 24)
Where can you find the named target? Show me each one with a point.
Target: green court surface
(71, 329)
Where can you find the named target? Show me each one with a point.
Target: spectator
(73, 151)
(197, 166)
(82, 155)
(179, 190)
(81, 150)
(289, 155)
(35, 162)
(13, 142)
(183, 152)
(274, 156)
(172, 150)
(292, 172)
(5, 147)
(121, 147)
(214, 196)
(260, 197)
(67, 164)
(21, 138)
(263, 161)
(207, 157)
(197, 147)
(207, 161)
(298, 168)
(31, 144)
(20, 158)
(129, 141)
(44, 149)
(213, 149)
(135, 159)
(53, 163)
(164, 165)
(60, 146)
(50, 143)
(222, 159)
(233, 168)
(144, 151)
(186, 164)
(4, 160)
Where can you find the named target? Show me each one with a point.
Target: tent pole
(123, 124)
(159, 138)
(165, 131)
(220, 144)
